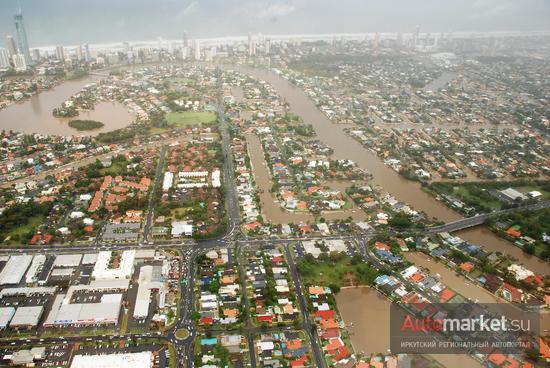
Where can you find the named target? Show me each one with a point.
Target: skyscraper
(197, 50)
(78, 52)
(4, 58)
(251, 45)
(19, 62)
(11, 45)
(185, 39)
(87, 55)
(22, 42)
(60, 53)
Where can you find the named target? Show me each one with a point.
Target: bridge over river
(468, 222)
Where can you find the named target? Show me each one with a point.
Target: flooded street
(345, 147)
(370, 315)
(35, 114)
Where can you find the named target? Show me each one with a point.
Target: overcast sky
(69, 22)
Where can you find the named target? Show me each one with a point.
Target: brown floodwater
(35, 114)
(369, 313)
(271, 208)
(345, 147)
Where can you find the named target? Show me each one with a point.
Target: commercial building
(26, 317)
(142, 359)
(180, 228)
(167, 182)
(6, 314)
(67, 260)
(15, 269)
(150, 279)
(104, 271)
(36, 265)
(105, 311)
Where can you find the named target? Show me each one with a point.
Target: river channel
(345, 147)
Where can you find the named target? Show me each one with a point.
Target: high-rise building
(59, 53)
(87, 56)
(4, 58)
(197, 50)
(185, 39)
(36, 55)
(22, 42)
(19, 62)
(11, 45)
(268, 46)
(251, 45)
(79, 54)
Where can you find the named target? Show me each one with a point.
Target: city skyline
(62, 22)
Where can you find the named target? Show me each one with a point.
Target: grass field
(29, 226)
(184, 119)
(333, 272)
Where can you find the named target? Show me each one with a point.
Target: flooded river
(35, 114)
(345, 147)
(370, 315)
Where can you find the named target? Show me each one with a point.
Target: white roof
(6, 313)
(89, 258)
(123, 271)
(27, 316)
(142, 359)
(67, 260)
(15, 269)
(36, 264)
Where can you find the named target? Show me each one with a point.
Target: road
(480, 219)
(235, 240)
(152, 194)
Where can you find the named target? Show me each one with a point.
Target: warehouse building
(36, 266)
(150, 279)
(142, 359)
(103, 271)
(26, 317)
(67, 260)
(105, 311)
(6, 314)
(15, 269)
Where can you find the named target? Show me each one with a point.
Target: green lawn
(33, 223)
(333, 271)
(184, 119)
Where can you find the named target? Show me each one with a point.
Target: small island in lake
(85, 124)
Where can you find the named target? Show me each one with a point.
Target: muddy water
(407, 191)
(370, 315)
(35, 115)
(271, 208)
(451, 279)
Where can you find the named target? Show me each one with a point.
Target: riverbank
(345, 147)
